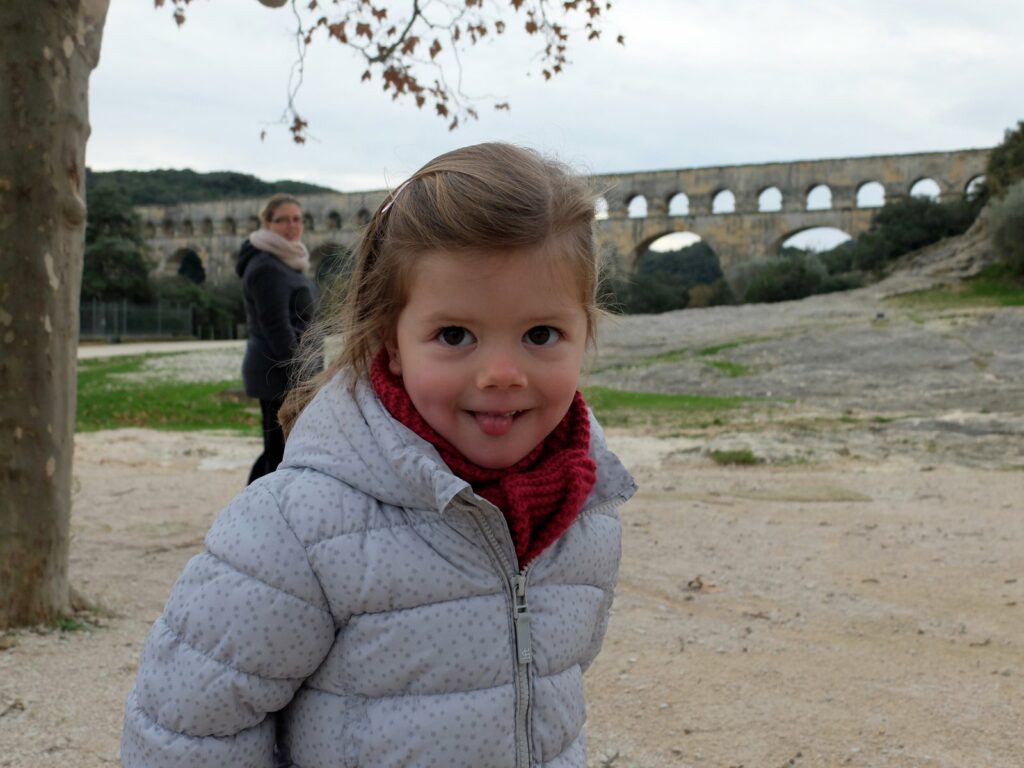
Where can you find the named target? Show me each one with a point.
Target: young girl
(427, 575)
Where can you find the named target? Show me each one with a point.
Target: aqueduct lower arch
(215, 229)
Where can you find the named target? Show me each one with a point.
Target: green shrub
(1007, 227)
(217, 308)
(836, 283)
(711, 294)
(115, 266)
(908, 224)
(839, 260)
(795, 274)
(645, 294)
(114, 269)
(738, 457)
(1006, 162)
(666, 280)
(696, 264)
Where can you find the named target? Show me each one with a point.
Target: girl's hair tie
(394, 196)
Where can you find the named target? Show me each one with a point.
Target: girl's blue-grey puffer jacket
(362, 608)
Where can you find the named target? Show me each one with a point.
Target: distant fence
(120, 319)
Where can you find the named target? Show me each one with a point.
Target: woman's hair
(487, 197)
(275, 202)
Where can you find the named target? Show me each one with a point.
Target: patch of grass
(106, 401)
(677, 355)
(616, 407)
(74, 624)
(996, 286)
(671, 356)
(732, 370)
(708, 351)
(606, 400)
(739, 457)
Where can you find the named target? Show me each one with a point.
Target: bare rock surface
(839, 373)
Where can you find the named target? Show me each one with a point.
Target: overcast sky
(699, 82)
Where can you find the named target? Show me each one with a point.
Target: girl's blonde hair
(275, 202)
(487, 197)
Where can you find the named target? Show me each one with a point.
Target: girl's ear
(394, 359)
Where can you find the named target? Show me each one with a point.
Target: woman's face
(286, 221)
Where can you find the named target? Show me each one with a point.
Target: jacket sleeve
(272, 303)
(245, 624)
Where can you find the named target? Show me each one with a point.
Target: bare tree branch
(391, 45)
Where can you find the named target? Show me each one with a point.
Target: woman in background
(280, 302)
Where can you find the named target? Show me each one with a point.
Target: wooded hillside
(171, 186)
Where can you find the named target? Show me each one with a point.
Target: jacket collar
(345, 432)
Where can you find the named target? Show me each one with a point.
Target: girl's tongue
(494, 424)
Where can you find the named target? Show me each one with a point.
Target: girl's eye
(455, 336)
(542, 335)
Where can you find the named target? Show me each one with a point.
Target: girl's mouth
(495, 423)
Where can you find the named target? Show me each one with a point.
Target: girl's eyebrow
(454, 318)
(446, 317)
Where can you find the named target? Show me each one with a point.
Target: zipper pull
(524, 643)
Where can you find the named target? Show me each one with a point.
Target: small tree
(115, 265)
(1007, 227)
(1006, 162)
(115, 270)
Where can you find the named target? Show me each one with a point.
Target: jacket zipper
(524, 657)
(515, 580)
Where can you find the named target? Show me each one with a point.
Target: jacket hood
(345, 432)
(245, 254)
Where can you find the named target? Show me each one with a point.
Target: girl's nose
(500, 369)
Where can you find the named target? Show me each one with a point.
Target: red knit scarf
(540, 495)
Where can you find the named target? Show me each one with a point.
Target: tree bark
(48, 49)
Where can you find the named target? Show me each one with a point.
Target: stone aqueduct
(635, 210)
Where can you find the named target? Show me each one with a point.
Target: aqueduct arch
(743, 235)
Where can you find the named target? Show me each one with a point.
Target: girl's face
(286, 221)
(490, 347)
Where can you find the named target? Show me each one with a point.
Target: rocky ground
(855, 599)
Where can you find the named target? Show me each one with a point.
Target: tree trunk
(48, 48)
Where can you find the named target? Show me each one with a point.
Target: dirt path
(857, 613)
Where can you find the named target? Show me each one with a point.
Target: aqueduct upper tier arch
(215, 229)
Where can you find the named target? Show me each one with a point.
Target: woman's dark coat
(279, 304)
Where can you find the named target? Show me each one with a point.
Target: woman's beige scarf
(291, 252)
